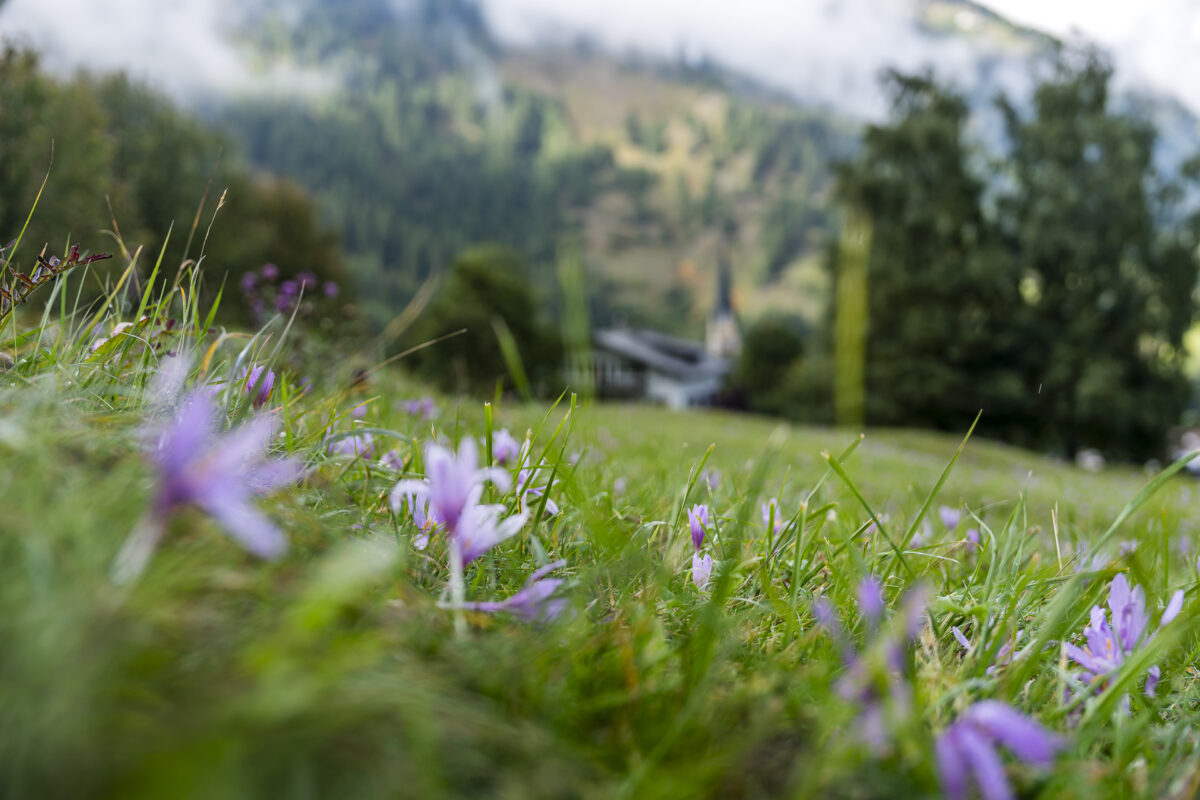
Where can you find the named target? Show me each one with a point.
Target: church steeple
(723, 339)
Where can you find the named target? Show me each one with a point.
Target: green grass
(335, 672)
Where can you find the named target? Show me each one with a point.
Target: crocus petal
(1173, 607)
(870, 599)
(963, 640)
(952, 767)
(248, 527)
(982, 760)
(1152, 678)
(701, 570)
(135, 552)
(1085, 659)
(1028, 740)
(269, 476)
(403, 490)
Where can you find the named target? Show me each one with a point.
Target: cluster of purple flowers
(422, 407)
(265, 293)
(879, 687)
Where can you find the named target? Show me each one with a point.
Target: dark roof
(679, 358)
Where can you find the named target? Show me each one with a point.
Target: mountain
(425, 126)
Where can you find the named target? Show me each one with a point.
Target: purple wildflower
(711, 478)
(1110, 639)
(330, 289)
(966, 750)
(289, 289)
(701, 570)
(307, 281)
(698, 520)
(392, 460)
(535, 602)
(260, 381)
(455, 487)
(949, 517)
(504, 447)
(248, 282)
(355, 445)
(218, 474)
(972, 539)
(880, 689)
(269, 272)
(619, 486)
(283, 302)
(360, 410)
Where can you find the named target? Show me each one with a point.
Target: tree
(939, 300)
(1106, 296)
(485, 284)
(772, 348)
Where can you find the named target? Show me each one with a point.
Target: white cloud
(179, 46)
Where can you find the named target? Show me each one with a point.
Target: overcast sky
(823, 49)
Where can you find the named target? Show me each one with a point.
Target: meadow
(236, 565)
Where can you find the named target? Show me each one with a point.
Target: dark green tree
(1106, 293)
(940, 298)
(485, 284)
(772, 349)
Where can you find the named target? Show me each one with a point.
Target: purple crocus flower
(1113, 637)
(972, 539)
(701, 570)
(701, 565)
(949, 517)
(454, 487)
(875, 694)
(269, 272)
(217, 473)
(711, 478)
(392, 460)
(260, 381)
(966, 750)
(248, 282)
(307, 281)
(697, 520)
(504, 447)
(535, 602)
(289, 289)
(357, 445)
(330, 289)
